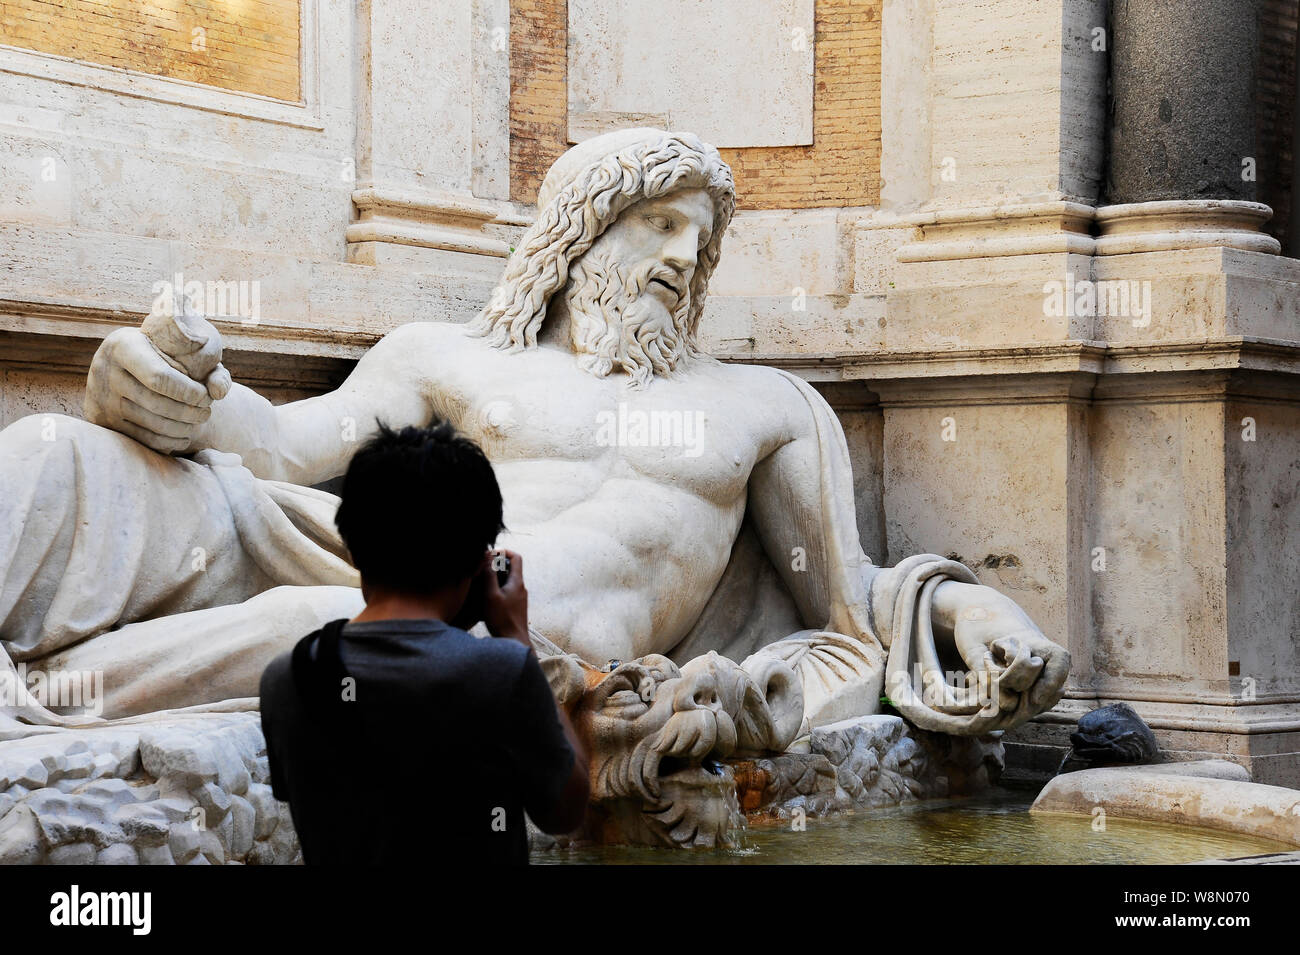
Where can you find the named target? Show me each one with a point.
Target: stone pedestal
(1127, 478)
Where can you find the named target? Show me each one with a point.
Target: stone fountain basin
(993, 828)
(1211, 794)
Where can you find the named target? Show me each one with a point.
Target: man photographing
(462, 733)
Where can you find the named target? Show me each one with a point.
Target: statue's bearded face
(628, 297)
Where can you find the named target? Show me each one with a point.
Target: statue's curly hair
(583, 209)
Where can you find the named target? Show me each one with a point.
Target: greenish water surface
(986, 830)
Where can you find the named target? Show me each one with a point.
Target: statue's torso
(623, 503)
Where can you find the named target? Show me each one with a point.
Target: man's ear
(470, 610)
(464, 588)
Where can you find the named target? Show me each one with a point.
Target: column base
(1183, 224)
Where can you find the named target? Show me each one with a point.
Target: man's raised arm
(133, 388)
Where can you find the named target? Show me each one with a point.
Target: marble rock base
(190, 789)
(865, 763)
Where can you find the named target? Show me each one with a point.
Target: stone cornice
(1186, 712)
(430, 220)
(62, 335)
(64, 320)
(1026, 229)
(1092, 357)
(1255, 370)
(1065, 226)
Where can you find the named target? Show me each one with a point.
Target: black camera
(501, 564)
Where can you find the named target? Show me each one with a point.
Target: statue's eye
(662, 223)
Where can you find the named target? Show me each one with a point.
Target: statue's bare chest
(686, 431)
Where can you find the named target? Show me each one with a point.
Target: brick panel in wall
(840, 168)
(246, 45)
(539, 101)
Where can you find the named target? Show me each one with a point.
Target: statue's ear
(567, 675)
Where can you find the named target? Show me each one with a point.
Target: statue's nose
(698, 691)
(681, 252)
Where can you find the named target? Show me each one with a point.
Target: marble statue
(670, 506)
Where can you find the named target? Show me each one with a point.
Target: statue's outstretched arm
(163, 385)
(801, 505)
(801, 498)
(312, 440)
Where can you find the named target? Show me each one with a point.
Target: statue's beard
(612, 323)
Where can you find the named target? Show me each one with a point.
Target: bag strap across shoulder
(319, 682)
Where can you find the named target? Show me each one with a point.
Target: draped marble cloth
(165, 572)
(104, 540)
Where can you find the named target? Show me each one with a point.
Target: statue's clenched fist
(995, 636)
(157, 383)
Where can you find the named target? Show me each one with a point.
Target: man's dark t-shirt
(448, 740)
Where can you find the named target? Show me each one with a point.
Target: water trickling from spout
(737, 833)
(1065, 759)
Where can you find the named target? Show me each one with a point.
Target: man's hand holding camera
(502, 606)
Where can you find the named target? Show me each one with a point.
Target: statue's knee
(54, 450)
(47, 428)
(52, 430)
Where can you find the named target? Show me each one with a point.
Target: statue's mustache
(688, 735)
(654, 270)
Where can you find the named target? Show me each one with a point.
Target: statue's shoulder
(787, 401)
(421, 337)
(755, 380)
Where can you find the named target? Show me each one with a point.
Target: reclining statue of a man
(668, 504)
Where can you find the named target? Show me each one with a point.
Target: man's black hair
(419, 508)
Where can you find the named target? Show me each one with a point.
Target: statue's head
(628, 234)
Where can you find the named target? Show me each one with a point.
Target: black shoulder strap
(319, 682)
